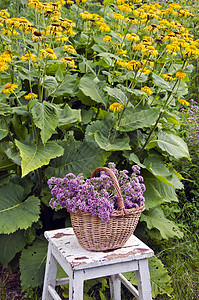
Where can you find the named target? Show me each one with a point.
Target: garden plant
(83, 84)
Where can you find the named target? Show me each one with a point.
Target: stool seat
(80, 264)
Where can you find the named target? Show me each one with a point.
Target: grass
(181, 258)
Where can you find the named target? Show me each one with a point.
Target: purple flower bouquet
(97, 195)
(104, 210)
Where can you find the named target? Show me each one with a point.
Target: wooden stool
(80, 264)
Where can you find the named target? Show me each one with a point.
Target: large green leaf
(10, 245)
(110, 144)
(134, 158)
(5, 162)
(15, 214)
(155, 218)
(160, 280)
(69, 115)
(78, 158)
(143, 118)
(32, 264)
(166, 191)
(21, 131)
(68, 86)
(34, 157)
(156, 166)
(50, 84)
(117, 94)
(45, 117)
(173, 144)
(160, 82)
(106, 136)
(3, 128)
(91, 88)
(152, 196)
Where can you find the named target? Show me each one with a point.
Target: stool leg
(143, 280)
(115, 287)
(76, 286)
(50, 274)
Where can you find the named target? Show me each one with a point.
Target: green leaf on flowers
(21, 131)
(59, 75)
(166, 191)
(68, 86)
(91, 88)
(110, 144)
(3, 128)
(69, 115)
(78, 158)
(5, 162)
(156, 166)
(181, 89)
(173, 144)
(134, 158)
(45, 117)
(138, 119)
(117, 94)
(50, 84)
(161, 83)
(35, 156)
(160, 280)
(32, 274)
(15, 214)
(10, 245)
(155, 218)
(106, 136)
(152, 196)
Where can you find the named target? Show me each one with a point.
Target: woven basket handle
(120, 201)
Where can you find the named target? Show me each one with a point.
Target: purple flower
(97, 195)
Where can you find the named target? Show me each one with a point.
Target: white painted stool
(80, 264)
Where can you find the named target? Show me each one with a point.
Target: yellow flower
(48, 53)
(37, 36)
(118, 16)
(132, 20)
(122, 52)
(168, 77)
(28, 56)
(69, 49)
(145, 70)
(148, 62)
(133, 65)
(132, 37)
(69, 62)
(147, 90)
(183, 102)
(150, 50)
(173, 48)
(9, 88)
(86, 15)
(116, 107)
(191, 51)
(107, 39)
(180, 75)
(125, 7)
(6, 56)
(152, 28)
(104, 28)
(4, 13)
(31, 96)
(3, 66)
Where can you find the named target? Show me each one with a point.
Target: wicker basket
(95, 235)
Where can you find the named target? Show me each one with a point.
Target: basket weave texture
(95, 235)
